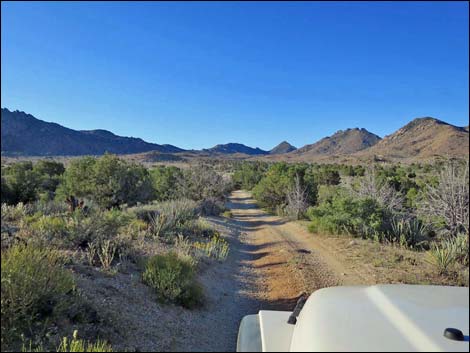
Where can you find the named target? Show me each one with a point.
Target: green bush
(165, 182)
(173, 279)
(34, 284)
(169, 217)
(273, 188)
(344, 214)
(25, 182)
(51, 225)
(248, 174)
(108, 180)
(21, 183)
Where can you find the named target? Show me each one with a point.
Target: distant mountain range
(230, 148)
(24, 135)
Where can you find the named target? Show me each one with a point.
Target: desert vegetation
(103, 215)
(110, 217)
(423, 207)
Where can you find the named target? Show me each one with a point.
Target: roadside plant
(106, 252)
(216, 248)
(448, 200)
(173, 280)
(443, 256)
(34, 283)
(373, 188)
(297, 199)
(91, 253)
(407, 232)
(78, 345)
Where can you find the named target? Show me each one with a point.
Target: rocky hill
(283, 147)
(343, 142)
(422, 138)
(23, 134)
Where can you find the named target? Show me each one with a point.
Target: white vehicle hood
(382, 318)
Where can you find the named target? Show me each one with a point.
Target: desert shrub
(14, 213)
(108, 180)
(216, 248)
(48, 207)
(248, 174)
(34, 283)
(173, 279)
(197, 228)
(447, 201)
(77, 230)
(327, 176)
(49, 176)
(373, 187)
(344, 214)
(54, 227)
(284, 185)
(165, 182)
(211, 207)
(21, 182)
(25, 182)
(167, 218)
(184, 249)
(202, 182)
(271, 190)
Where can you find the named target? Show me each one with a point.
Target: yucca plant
(406, 232)
(443, 256)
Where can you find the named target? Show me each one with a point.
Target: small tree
(380, 191)
(297, 199)
(448, 200)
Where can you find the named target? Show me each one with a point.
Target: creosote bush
(173, 279)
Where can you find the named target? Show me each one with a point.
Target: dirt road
(270, 264)
(287, 259)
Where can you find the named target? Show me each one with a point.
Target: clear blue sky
(198, 74)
